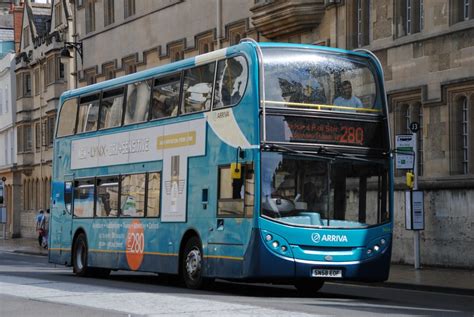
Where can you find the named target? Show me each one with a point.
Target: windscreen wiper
(322, 150)
(273, 147)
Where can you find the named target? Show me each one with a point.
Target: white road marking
(127, 301)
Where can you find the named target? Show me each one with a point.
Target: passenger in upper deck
(347, 99)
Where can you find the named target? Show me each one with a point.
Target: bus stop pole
(416, 232)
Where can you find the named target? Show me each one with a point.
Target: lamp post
(66, 57)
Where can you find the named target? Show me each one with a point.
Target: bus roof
(192, 61)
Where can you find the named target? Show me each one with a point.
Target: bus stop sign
(405, 151)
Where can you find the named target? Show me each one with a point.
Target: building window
(108, 70)
(24, 139)
(109, 17)
(27, 142)
(462, 10)
(410, 16)
(462, 135)
(49, 131)
(27, 84)
(58, 15)
(19, 80)
(38, 136)
(90, 16)
(176, 52)
(359, 23)
(60, 67)
(129, 8)
(89, 76)
(205, 45)
(422, 15)
(49, 72)
(37, 82)
(129, 65)
(236, 33)
(26, 36)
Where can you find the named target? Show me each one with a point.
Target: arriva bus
(261, 162)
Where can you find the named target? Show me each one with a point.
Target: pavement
(450, 280)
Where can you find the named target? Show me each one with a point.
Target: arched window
(25, 195)
(34, 190)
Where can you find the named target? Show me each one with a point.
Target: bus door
(65, 214)
(231, 231)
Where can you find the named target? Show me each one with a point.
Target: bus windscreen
(315, 192)
(308, 79)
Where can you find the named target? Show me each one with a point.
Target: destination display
(322, 130)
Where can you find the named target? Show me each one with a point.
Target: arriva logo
(316, 237)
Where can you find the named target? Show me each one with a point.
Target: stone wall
(448, 238)
(28, 224)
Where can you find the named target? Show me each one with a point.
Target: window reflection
(138, 99)
(165, 97)
(231, 81)
(197, 88)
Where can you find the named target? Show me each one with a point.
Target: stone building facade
(426, 48)
(40, 80)
(8, 170)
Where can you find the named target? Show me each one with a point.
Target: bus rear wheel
(192, 265)
(309, 287)
(80, 260)
(79, 256)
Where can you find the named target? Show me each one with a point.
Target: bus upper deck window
(165, 97)
(111, 108)
(231, 81)
(67, 118)
(88, 113)
(138, 99)
(197, 88)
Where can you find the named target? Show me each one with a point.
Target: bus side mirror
(236, 170)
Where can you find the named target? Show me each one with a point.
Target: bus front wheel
(192, 265)
(309, 287)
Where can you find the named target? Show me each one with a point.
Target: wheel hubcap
(193, 263)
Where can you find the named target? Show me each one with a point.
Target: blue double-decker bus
(261, 162)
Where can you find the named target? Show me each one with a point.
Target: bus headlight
(276, 243)
(376, 248)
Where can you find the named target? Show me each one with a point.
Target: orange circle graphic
(135, 245)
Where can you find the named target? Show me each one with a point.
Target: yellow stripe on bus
(224, 257)
(317, 106)
(154, 253)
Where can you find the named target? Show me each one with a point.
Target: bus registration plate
(327, 273)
